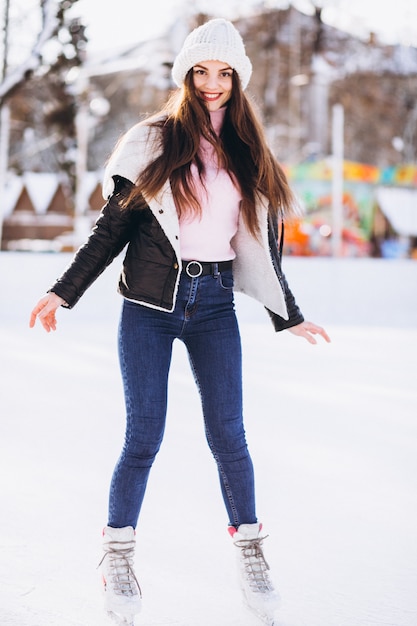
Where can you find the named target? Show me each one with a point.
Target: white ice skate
(253, 571)
(122, 593)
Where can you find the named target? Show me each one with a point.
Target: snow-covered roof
(400, 207)
(90, 182)
(41, 188)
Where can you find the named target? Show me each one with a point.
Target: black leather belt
(194, 269)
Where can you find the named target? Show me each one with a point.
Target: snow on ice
(332, 430)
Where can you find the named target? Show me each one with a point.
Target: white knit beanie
(216, 40)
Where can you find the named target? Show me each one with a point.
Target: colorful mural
(397, 175)
(312, 182)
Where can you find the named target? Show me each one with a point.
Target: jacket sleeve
(108, 238)
(294, 314)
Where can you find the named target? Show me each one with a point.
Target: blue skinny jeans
(204, 319)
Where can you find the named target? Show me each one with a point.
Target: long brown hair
(241, 148)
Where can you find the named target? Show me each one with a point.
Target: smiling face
(213, 83)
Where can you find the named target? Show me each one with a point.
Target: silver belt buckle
(188, 271)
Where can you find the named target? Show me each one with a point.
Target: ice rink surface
(332, 430)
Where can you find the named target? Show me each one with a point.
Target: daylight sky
(136, 23)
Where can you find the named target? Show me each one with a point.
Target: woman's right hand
(45, 311)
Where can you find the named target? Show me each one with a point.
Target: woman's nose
(212, 82)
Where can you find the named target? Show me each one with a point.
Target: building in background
(302, 67)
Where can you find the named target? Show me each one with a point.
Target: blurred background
(332, 428)
(335, 83)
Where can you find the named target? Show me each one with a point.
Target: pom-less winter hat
(216, 40)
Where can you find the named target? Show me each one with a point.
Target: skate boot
(121, 589)
(253, 571)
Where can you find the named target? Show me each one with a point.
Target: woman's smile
(213, 82)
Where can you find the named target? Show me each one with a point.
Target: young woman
(196, 195)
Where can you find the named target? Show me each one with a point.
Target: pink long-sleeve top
(207, 237)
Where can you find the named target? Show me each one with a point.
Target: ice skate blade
(122, 620)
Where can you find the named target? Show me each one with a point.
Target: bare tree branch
(50, 24)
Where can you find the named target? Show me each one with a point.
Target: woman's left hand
(308, 330)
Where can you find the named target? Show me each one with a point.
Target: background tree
(42, 42)
(35, 34)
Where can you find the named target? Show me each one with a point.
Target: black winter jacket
(151, 268)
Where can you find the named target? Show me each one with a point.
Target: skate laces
(255, 564)
(120, 557)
